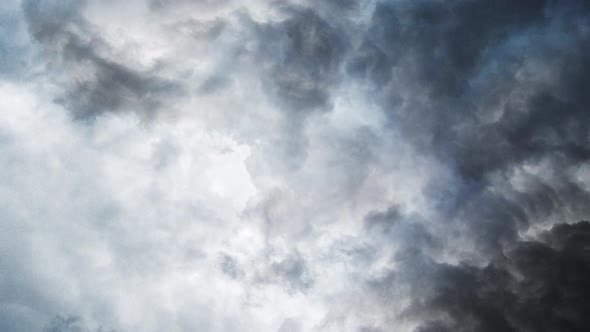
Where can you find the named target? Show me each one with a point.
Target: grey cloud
(106, 86)
(463, 83)
(70, 324)
(445, 40)
(442, 49)
(445, 54)
(201, 29)
(294, 272)
(370, 63)
(346, 5)
(290, 325)
(523, 290)
(301, 58)
(535, 286)
(14, 53)
(201, 4)
(370, 329)
(214, 83)
(403, 230)
(492, 214)
(230, 267)
(65, 324)
(482, 103)
(117, 88)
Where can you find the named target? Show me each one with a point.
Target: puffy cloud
(294, 165)
(94, 82)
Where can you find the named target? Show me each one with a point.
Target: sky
(294, 165)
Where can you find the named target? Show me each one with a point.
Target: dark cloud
(70, 324)
(534, 286)
(201, 4)
(369, 62)
(230, 267)
(490, 89)
(444, 51)
(114, 88)
(201, 29)
(65, 324)
(213, 84)
(406, 231)
(370, 329)
(14, 55)
(462, 81)
(290, 325)
(294, 272)
(301, 57)
(96, 84)
(444, 41)
(484, 103)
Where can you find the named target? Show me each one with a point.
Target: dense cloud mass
(294, 165)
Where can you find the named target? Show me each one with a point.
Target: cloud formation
(294, 165)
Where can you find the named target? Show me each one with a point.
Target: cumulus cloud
(294, 165)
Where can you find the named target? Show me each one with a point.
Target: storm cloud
(294, 165)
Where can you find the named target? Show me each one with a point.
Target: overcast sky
(294, 165)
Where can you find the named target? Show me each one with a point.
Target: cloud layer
(178, 165)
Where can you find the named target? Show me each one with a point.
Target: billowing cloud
(294, 165)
